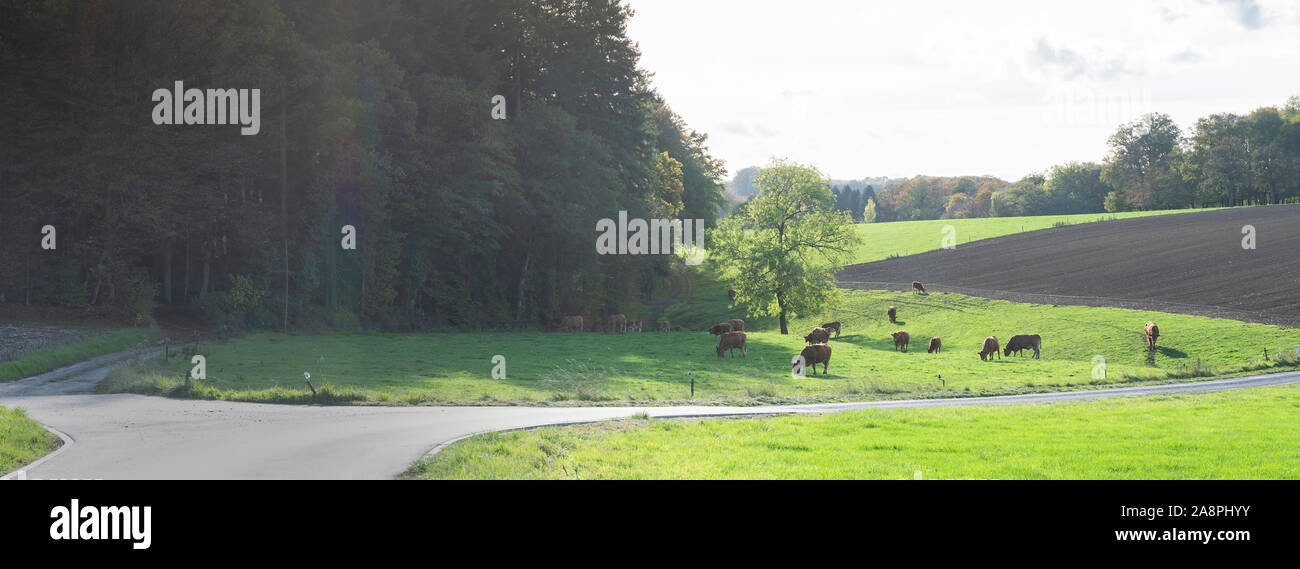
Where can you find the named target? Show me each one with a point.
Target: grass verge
(46, 359)
(22, 440)
(1239, 434)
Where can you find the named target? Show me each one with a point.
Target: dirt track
(1189, 263)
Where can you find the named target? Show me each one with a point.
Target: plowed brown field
(1191, 263)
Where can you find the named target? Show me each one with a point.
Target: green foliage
(869, 212)
(781, 255)
(382, 117)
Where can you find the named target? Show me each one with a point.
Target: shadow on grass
(1170, 352)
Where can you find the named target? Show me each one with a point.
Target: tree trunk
(167, 271)
(523, 275)
(185, 289)
(284, 216)
(780, 303)
(207, 270)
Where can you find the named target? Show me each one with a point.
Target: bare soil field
(1192, 263)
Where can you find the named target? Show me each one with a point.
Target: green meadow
(902, 238)
(1239, 434)
(554, 368)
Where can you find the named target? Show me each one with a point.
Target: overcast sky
(956, 87)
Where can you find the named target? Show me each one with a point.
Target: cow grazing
(634, 326)
(1021, 342)
(901, 339)
(617, 323)
(893, 315)
(737, 325)
(990, 349)
(730, 341)
(832, 327)
(817, 336)
(720, 328)
(1153, 333)
(935, 346)
(571, 323)
(916, 287)
(816, 354)
(664, 326)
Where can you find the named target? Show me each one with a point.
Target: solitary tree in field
(781, 254)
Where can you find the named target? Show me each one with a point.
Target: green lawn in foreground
(902, 238)
(22, 440)
(1248, 433)
(46, 359)
(584, 368)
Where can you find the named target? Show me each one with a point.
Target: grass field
(550, 368)
(1241, 434)
(902, 238)
(22, 440)
(46, 359)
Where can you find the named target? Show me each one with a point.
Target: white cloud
(953, 87)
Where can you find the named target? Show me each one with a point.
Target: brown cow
(617, 323)
(916, 287)
(816, 354)
(990, 349)
(571, 323)
(730, 341)
(832, 327)
(1153, 333)
(721, 328)
(664, 326)
(935, 346)
(901, 339)
(635, 325)
(1021, 342)
(737, 325)
(817, 336)
(731, 292)
(893, 315)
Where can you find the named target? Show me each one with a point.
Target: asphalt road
(142, 437)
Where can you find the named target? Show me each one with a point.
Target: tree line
(1225, 159)
(375, 115)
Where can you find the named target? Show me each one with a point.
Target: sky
(1007, 88)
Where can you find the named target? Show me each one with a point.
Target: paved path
(142, 437)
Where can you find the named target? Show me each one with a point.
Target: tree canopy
(376, 115)
(781, 252)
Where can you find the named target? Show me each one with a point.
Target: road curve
(142, 437)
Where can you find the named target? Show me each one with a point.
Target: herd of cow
(731, 336)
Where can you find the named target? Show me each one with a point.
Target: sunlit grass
(1250, 433)
(549, 368)
(22, 440)
(883, 240)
